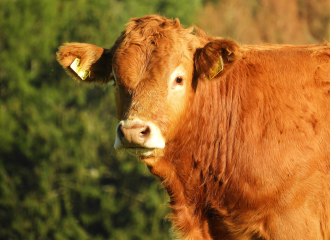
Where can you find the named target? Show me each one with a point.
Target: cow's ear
(85, 62)
(217, 58)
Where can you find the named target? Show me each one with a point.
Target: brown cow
(239, 135)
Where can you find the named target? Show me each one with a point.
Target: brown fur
(247, 154)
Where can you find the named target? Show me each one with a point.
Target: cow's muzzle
(138, 137)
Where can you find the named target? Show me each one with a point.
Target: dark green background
(60, 177)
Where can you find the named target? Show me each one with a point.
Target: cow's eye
(179, 80)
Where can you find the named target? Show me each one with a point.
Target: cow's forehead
(146, 62)
(151, 52)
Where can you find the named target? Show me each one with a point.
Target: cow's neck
(203, 158)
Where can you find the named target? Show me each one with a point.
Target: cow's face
(154, 67)
(152, 85)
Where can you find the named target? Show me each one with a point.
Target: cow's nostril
(145, 132)
(120, 132)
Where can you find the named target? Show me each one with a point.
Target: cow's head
(154, 66)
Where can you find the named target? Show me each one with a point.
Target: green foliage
(59, 175)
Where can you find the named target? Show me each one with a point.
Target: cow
(238, 134)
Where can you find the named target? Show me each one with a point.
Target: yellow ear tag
(75, 66)
(218, 69)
